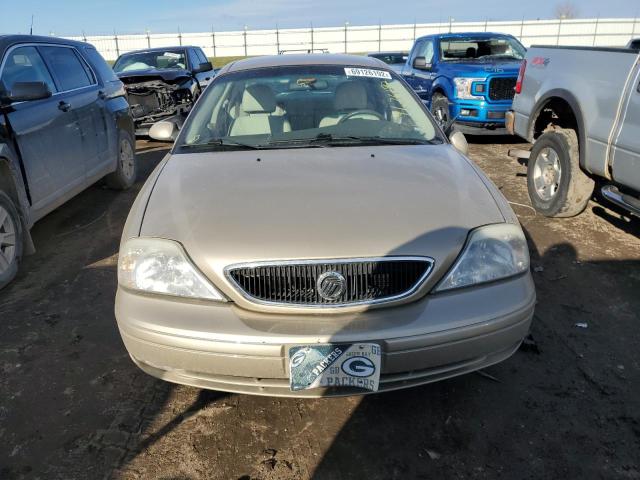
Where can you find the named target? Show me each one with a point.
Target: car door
(626, 146)
(48, 136)
(421, 79)
(84, 99)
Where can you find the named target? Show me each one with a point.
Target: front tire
(440, 108)
(557, 185)
(127, 170)
(11, 240)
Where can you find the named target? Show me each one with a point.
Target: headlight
(492, 252)
(463, 88)
(161, 266)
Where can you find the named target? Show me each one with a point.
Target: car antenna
(31, 27)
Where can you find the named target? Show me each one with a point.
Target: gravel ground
(566, 405)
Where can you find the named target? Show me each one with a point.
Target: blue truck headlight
(463, 88)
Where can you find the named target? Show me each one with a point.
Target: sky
(73, 17)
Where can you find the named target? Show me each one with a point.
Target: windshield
(470, 49)
(300, 106)
(160, 59)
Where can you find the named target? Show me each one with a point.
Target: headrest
(483, 49)
(471, 53)
(258, 98)
(350, 96)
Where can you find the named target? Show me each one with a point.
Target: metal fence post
(115, 37)
(559, 28)
(244, 34)
(346, 27)
(179, 37)
(148, 39)
(213, 41)
(595, 32)
(486, 24)
(521, 29)
(380, 37)
(312, 45)
(277, 39)
(414, 30)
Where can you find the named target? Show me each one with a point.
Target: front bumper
(223, 347)
(480, 117)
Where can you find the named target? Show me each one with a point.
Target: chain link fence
(359, 39)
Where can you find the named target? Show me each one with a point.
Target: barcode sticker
(367, 72)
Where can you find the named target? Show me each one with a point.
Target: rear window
(104, 70)
(70, 72)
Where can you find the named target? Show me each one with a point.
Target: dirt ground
(566, 405)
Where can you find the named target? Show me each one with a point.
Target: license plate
(350, 365)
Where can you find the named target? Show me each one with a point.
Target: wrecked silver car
(163, 83)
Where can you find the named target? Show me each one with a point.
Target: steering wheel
(356, 113)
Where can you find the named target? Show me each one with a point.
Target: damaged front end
(153, 98)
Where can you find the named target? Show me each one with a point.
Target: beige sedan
(313, 232)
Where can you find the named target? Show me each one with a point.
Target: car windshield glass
(301, 106)
(158, 60)
(481, 50)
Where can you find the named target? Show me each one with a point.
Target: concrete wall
(358, 39)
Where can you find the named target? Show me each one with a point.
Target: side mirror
(420, 63)
(203, 67)
(26, 91)
(459, 142)
(163, 131)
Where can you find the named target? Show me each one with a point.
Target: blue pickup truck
(469, 77)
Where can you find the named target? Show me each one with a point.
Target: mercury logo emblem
(331, 285)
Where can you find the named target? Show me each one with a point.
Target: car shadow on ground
(559, 407)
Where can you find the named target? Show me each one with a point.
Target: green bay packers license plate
(352, 365)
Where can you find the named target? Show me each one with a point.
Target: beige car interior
(258, 113)
(350, 97)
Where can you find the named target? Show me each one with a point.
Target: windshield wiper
(220, 142)
(330, 139)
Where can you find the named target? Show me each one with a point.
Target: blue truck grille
(502, 88)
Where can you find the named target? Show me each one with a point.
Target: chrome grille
(502, 88)
(366, 281)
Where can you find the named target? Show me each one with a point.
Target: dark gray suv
(64, 124)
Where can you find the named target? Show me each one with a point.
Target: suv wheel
(10, 240)
(440, 108)
(126, 172)
(557, 185)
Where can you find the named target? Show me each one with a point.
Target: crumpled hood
(168, 75)
(239, 206)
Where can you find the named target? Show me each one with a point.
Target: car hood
(165, 74)
(240, 206)
(481, 69)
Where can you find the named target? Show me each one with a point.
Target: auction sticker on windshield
(354, 365)
(367, 72)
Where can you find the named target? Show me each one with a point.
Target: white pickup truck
(580, 106)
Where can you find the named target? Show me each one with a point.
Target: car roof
(389, 52)
(303, 60)
(478, 35)
(159, 49)
(6, 41)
